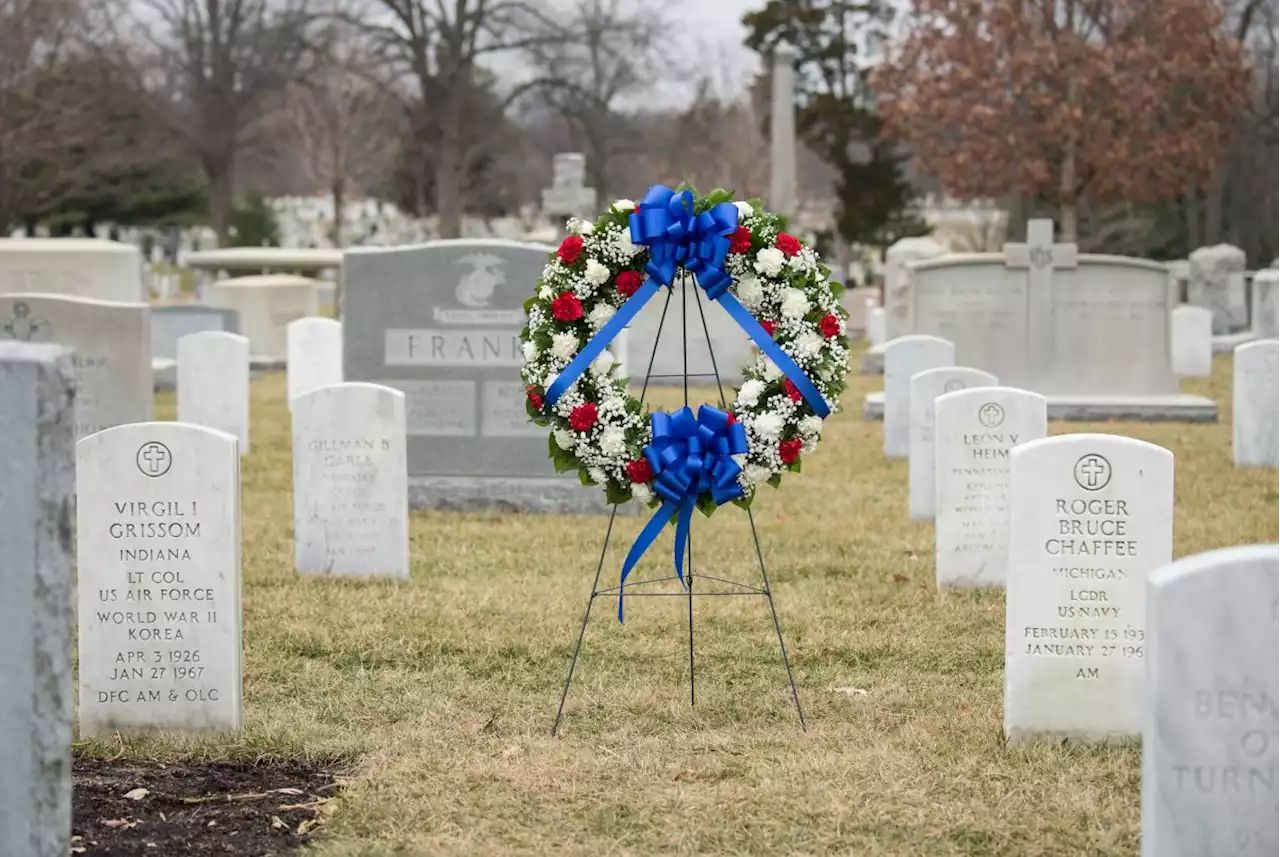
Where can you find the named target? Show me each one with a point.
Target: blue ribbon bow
(665, 222)
(690, 457)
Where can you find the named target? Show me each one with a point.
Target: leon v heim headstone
(158, 540)
(1091, 517)
(441, 323)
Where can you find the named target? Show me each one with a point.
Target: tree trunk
(1191, 212)
(449, 173)
(339, 195)
(1213, 206)
(221, 183)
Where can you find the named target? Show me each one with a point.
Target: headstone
(1265, 314)
(897, 293)
(722, 348)
(923, 390)
(315, 355)
(350, 486)
(76, 267)
(158, 542)
(213, 383)
(876, 334)
(1180, 273)
(1255, 420)
(903, 358)
(782, 130)
(1192, 338)
(1091, 516)
(974, 432)
(857, 302)
(441, 323)
(171, 322)
(568, 195)
(1209, 735)
(1212, 286)
(266, 304)
(111, 342)
(36, 616)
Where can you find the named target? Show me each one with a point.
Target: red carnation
(830, 326)
(583, 417)
(570, 249)
(789, 450)
(740, 240)
(629, 282)
(793, 392)
(535, 398)
(640, 470)
(788, 244)
(769, 326)
(566, 307)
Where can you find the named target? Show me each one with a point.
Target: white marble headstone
(1265, 313)
(1191, 338)
(1209, 760)
(158, 541)
(974, 431)
(266, 304)
(350, 481)
(76, 267)
(315, 355)
(213, 383)
(1217, 283)
(904, 357)
(1255, 429)
(875, 324)
(926, 387)
(1091, 516)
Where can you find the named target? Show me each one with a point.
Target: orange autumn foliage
(1113, 99)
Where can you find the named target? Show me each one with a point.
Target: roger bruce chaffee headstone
(1209, 761)
(213, 383)
(904, 357)
(1091, 516)
(111, 344)
(315, 355)
(441, 323)
(158, 541)
(925, 388)
(974, 431)
(350, 491)
(1255, 429)
(36, 482)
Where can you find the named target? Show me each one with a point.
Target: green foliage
(253, 222)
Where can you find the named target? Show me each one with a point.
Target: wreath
(601, 275)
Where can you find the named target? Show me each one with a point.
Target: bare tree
(223, 62)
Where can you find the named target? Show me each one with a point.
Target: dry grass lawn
(438, 695)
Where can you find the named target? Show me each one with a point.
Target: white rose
(769, 261)
(578, 226)
(744, 210)
(600, 315)
(597, 475)
(603, 363)
(530, 350)
(623, 205)
(757, 475)
(641, 493)
(794, 304)
(750, 292)
(749, 395)
(800, 262)
(613, 441)
(564, 345)
(625, 247)
(809, 343)
(811, 426)
(596, 274)
(565, 438)
(771, 370)
(769, 426)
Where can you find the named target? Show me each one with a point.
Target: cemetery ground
(431, 702)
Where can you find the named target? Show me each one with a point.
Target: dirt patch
(197, 809)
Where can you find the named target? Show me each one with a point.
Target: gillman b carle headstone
(158, 541)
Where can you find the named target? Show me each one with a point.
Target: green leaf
(584, 478)
(718, 196)
(616, 494)
(775, 479)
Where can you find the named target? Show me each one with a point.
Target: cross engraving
(1040, 254)
(22, 327)
(154, 459)
(1092, 472)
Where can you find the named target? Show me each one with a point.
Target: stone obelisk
(782, 132)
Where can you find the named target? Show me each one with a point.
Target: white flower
(756, 475)
(613, 441)
(750, 292)
(794, 303)
(809, 343)
(564, 345)
(546, 293)
(749, 395)
(641, 492)
(603, 363)
(811, 426)
(625, 247)
(565, 438)
(769, 426)
(769, 261)
(600, 315)
(530, 351)
(597, 475)
(578, 226)
(771, 370)
(744, 210)
(596, 274)
(623, 205)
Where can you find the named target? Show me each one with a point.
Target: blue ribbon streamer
(665, 222)
(690, 457)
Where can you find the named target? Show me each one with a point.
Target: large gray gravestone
(112, 344)
(1255, 429)
(1217, 283)
(36, 484)
(1209, 761)
(77, 267)
(172, 322)
(158, 543)
(441, 323)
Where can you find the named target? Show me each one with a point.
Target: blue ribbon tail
(774, 352)
(641, 544)
(682, 536)
(600, 341)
